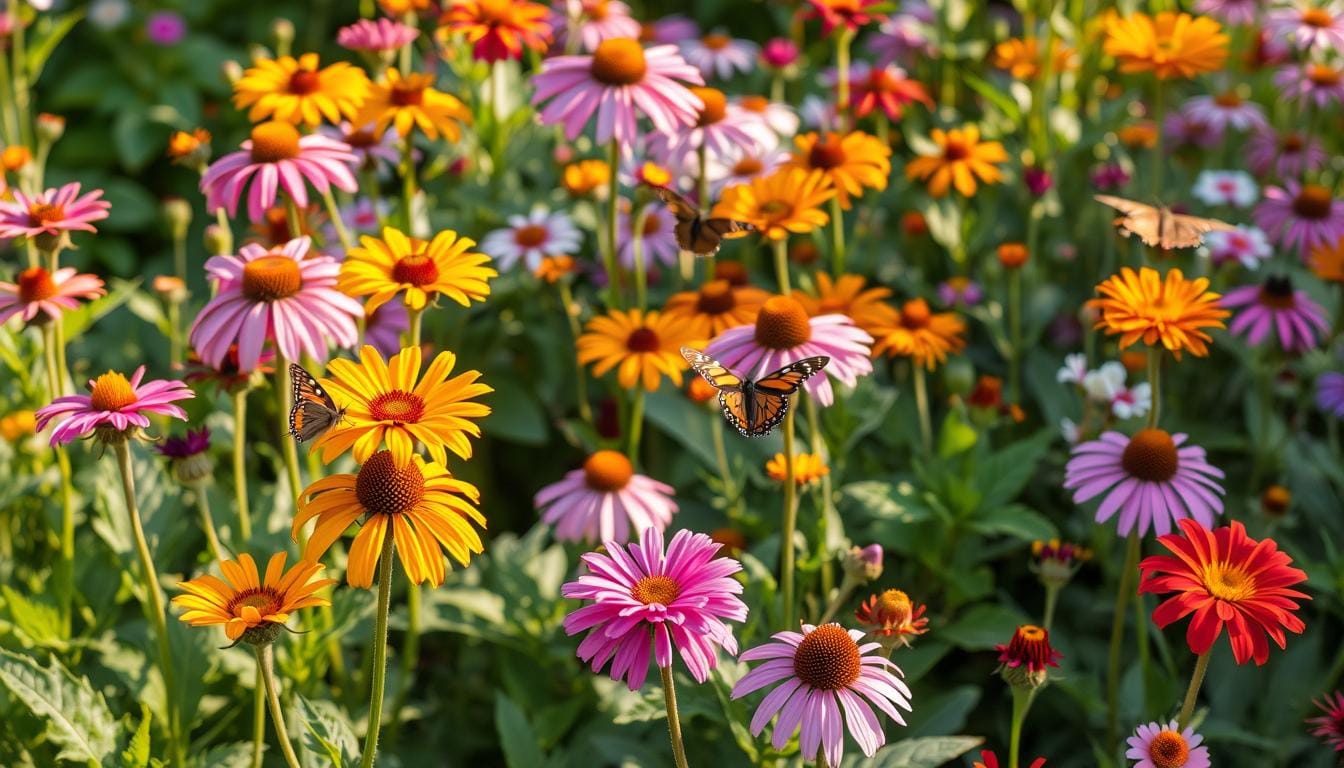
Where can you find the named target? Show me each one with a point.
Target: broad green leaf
(516, 736)
(1002, 476)
(77, 718)
(39, 622)
(50, 32)
(515, 414)
(927, 752)
(982, 627)
(996, 96)
(956, 436)
(1017, 521)
(236, 755)
(329, 739)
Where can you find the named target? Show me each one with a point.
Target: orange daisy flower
(892, 616)
(960, 158)
(847, 295)
(1022, 57)
(643, 346)
(498, 29)
(852, 162)
(808, 468)
(787, 201)
(251, 608)
(918, 333)
(1140, 305)
(407, 101)
(1170, 45)
(298, 91)
(716, 307)
(1327, 261)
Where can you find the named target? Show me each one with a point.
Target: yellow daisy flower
(408, 102)
(1145, 306)
(381, 269)
(251, 608)
(959, 159)
(386, 406)
(788, 200)
(852, 162)
(1170, 45)
(645, 346)
(808, 468)
(847, 295)
(298, 91)
(716, 307)
(924, 336)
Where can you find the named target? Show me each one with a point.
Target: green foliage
(77, 719)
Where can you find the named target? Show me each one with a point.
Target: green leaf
(50, 34)
(982, 627)
(133, 207)
(1017, 521)
(1002, 476)
(136, 139)
(39, 622)
(879, 500)
(77, 718)
(927, 752)
(515, 414)
(136, 753)
(236, 755)
(956, 436)
(329, 734)
(78, 320)
(516, 736)
(996, 96)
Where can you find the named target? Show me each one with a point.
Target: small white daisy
(1234, 188)
(1247, 245)
(1073, 370)
(531, 238)
(1133, 403)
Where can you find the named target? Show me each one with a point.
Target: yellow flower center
(826, 154)
(264, 599)
(530, 236)
(596, 10)
(915, 314)
(1228, 100)
(416, 269)
(1313, 202)
(35, 284)
(656, 589)
(716, 42)
(747, 166)
(827, 658)
(271, 278)
(111, 392)
(397, 406)
(409, 91)
(1168, 750)
(1317, 17)
(642, 340)
(607, 471)
(782, 324)
(1150, 456)
(273, 141)
(619, 61)
(41, 214)
(383, 489)
(716, 297)
(1323, 75)
(716, 105)
(757, 104)
(1229, 582)
(304, 82)
(894, 607)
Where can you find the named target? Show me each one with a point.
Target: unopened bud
(233, 71)
(863, 564)
(218, 240)
(177, 212)
(50, 128)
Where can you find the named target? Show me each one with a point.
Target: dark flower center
(417, 269)
(383, 489)
(1151, 456)
(642, 340)
(782, 324)
(397, 406)
(1313, 202)
(271, 278)
(304, 82)
(716, 297)
(827, 658)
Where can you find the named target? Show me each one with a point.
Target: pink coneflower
(783, 333)
(1227, 110)
(959, 292)
(1330, 393)
(595, 21)
(385, 325)
(1109, 176)
(618, 82)
(902, 38)
(721, 131)
(642, 596)
(886, 88)
(658, 239)
(1184, 129)
(1288, 156)
(1246, 245)
(604, 500)
(744, 166)
(1275, 306)
(1161, 746)
(1312, 82)
(1232, 12)
(277, 158)
(165, 28)
(376, 36)
(50, 293)
(673, 29)
(721, 56)
(52, 213)
(1308, 25)
(281, 295)
(113, 404)
(531, 238)
(1148, 478)
(817, 675)
(1300, 216)
(371, 150)
(1330, 726)
(1234, 188)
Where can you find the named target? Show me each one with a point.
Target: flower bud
(171, 289)
(1055, 562)
(177, 213)
(959, 376)
(1023, 661)
(50, 128)
(863, 564)
(218, 240)
(283, 30)
(233, 71)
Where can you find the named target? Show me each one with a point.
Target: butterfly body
(754, 408)
(695, 233)
(1159, 226)
(313, 411)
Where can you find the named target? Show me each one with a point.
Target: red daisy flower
(1225, 578)
(1330, 726)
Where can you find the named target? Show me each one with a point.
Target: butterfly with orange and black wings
(754, 407)
(695, 233)
(1159, 226)
(313, 412)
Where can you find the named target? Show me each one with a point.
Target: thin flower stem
(827, 501)
(1159, 107)
(1127, 573)
(637, 253)
(1192, 693)
(1015, 334)
(258, 719)
(636, 424)
(174, 334)
(410, 656)
(22, 96)
(408, 183)
(580, 380)
(673, 718)
(781, 248)
(293, 217)
(847, 586)
(922, 405)
(286, 400)
(702, 194)
(1021, 703)
(222, 219)
(240, 464)
(65, 576)
(837, 237)
(10, 118)
(266, 668)
(334, 213)
(843, 39)
(154, 601)
(208, 523)
(1051, 600)
(379, 653)
(613, 210)
(1155, 382)
(789, 523)
(414, 329)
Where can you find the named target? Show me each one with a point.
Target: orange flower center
(827, 658)
(827, 153)
(756, 104)
(894, 607)
(273, 141)
(1317, 17)
(1229, 582)
(716, 105)
(530, 236)
(607, 471)
(1168, 750)
(409, 92)
(270, 278)
(716, 42)
(915, 314)
(956, 149)
(304, 82)
(1228, 100)
(416, 269)
(656, 589)
(264, 599)
(41, 214)
(1313, 202)
(383, 489)
(782, 324)
(748, 166)
(652, 225)
(619, 61)
(35, 284)
(716, 297)
(1150, 456)
(1323, 75)
(596, 11)
(111, 392)
(397, 406)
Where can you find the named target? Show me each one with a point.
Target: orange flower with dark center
(716, 307)
(1170, 45)
(892, 614)
(643, 347)
(249, 606)
(847, 295)
(916, 332)
(852, 163)
(1141, 306)
(956, 160)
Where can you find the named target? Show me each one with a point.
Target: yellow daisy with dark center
(419, 270)
(251, 608)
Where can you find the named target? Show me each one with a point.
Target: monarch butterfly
(699, 235)
(1159, 226)
(754, 407)
(313, 412)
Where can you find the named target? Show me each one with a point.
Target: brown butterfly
(1159, 226)
(701, 236)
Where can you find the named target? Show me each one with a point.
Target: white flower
(1069, 430)
(1234, 188)
(1075, 368)
(1247, 245)
(532, 237)
(818, 113)
(1103, 384)
(1133, 403)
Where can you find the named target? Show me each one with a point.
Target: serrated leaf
(136, 753)
(39, 622)
(516, 736)
(77, 718)
(927, 752)
(329, 738)
(236, 755)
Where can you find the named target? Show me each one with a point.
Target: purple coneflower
(1247, 246)
(384, 326)
(1315, 83)
(1162, 746)
(959, 292)
(604, 500)
(1233, 12)
(718, 55)
(1330, 393)
(672, 29)
(1275, 306)
(1308, 25)
(595, 21)
(49, 293)
(1300, 216)
(376, 36)
(657, 239)
(114, 404)
(1227, 110)
(52, 213)
(277, 159)
(1288, 156)
(372, 150)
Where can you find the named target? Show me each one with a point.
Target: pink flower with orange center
(52, 213)
(37, 290)
(278, 159)
(114, 406)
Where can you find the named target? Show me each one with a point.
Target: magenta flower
(1308, 25)
(604, 500)
(1227, 110)
(779, 53)
(1330, 393)
(1153, 745)
(52, 212)
(113, 404)
(1150, 479)
(1233, 12)
(195, 442)
(276, 159)
(376, 36)
(718, 55)
(1329, 727)
(672, 29)
(1247, 246)
(594, 20)
(959, 292)
(281, 295)
(1275, 306)
(678, 600)
(1300, 216)
(165, 28)
(48, 292)
(1109, 176)
(1186, 129)
(657, 240)
(819, 674)
(783, 333)
(1288, 156)
(1312, 83)
(618, 83)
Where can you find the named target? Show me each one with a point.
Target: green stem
(65, 575)
(636, 424)
(293, 217)
(258, 719)
(208, 523)
(673, 717)
(240, 463)
(10, 118)
(174, 334)
(413, 331)
(288, 446)
(580, 379)
(1127, 573)
(790, 522)
(842, 41)
(1158, 109)
(725, 473)
(1155, 382)
(1192, 693)
(1021, 703)
(334, 212)
(154, 600)
(922, 405)
(613, 212)
(837, 238)
(1015, 334)
(22, 96)
(1051, 600)
(847, 587)
(379, 653)
(818, 441)
(266, 667)
(781, 248)
(637, 253)
(410, 656)
(408, 184)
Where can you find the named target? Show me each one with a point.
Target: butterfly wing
(786, 380)
(680, 206)
(1181, 231)
(714, 372)
(768, 409)
(1145, 221)
(733, 403)
(313, 411)
(709, 234)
